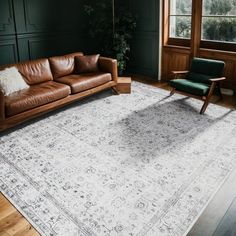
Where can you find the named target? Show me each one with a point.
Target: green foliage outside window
(219, 29)
(180, 18)
(182, 27)
(218, 21)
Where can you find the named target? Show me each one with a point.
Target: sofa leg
(115, 91)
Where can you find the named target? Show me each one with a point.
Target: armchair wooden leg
(172, 92)
(204, 107)
(206, 103)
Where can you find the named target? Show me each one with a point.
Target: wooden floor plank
(20, 226)
(211, 218)
(2, 233)
(5, 210)
(10, 220)
(227, 225)
(12, 223)
(30, 232)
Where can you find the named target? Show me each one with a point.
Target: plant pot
(120, 72)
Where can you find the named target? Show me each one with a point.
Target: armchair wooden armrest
(2, 105)
(179, 73)
(218, 79)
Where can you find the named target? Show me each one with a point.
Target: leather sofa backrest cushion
(86, 64)
(36, 71)
(63, 65)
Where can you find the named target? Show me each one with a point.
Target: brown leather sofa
(53, 83)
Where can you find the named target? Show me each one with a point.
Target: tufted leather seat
(36, 95)
(79, 83)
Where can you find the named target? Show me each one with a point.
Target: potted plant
(113, 32)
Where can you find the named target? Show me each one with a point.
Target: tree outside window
(219, 20)
(180, 19)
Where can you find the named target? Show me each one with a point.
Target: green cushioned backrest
(213, 68)
(202, 70)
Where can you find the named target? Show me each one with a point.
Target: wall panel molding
(8, 50)
(40, 28)
(6, 18)
(145, 44)
(144, 59)
(40, 16)
(33, 46)
(174, 59)
(147, 15)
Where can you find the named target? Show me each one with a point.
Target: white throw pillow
(11, 81)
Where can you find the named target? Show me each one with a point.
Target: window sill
(176, 47)
(219, 46)
(218, 51)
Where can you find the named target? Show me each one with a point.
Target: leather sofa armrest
(2, 105)
(109, 65)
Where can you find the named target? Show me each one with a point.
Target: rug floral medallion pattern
(139, 164)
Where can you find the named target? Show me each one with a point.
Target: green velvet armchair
(200, 81)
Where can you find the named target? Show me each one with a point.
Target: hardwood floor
(12, 223)
(219, 217)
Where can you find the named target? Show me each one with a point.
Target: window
(201, 23)
(180, 19)
(219, 21)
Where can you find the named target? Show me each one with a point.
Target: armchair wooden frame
(215, 84)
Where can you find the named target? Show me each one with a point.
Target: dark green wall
(145, 45)
(144, 56)
(31, 29)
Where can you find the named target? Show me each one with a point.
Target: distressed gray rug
(139, 164)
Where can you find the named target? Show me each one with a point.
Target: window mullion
(196, 27)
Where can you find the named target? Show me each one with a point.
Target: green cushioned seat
(189, 86)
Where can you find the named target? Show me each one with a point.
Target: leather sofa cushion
(86, 64)
(36, 71)
(189, 86)
(63, 65)
(79, 83)
(36, 95)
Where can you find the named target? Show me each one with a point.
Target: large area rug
(139, 164)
